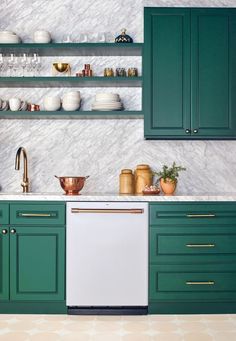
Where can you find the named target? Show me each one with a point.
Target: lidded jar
(126, 181)
(143, 177)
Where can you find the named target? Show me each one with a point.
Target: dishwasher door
(107, 254)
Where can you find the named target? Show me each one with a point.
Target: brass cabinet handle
(13, 231)
(208, 215)
(200, 245)
(35, 214)
(200, 283)
(4, 231)
(100, 210)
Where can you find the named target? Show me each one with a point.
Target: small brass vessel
(61, 68)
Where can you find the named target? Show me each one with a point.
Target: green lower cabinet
(37, 265)
(4, 263)
(192, 258)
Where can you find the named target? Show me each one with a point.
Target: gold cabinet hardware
(200, 245)
(100, 210)
(35, 214)
(200, 283)
(4, 231)
(209, 215)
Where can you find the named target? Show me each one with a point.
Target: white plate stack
(9, 37)
(107, 102)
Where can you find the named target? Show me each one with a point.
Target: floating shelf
(44, 82)
(75, 49)
(70, 114)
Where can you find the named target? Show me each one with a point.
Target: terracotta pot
(168, 187)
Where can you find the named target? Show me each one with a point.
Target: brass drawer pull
(209, 215)
(100, 210)
(35, 215)
(200, 245)
(200, 283)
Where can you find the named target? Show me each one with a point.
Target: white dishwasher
(107, 258)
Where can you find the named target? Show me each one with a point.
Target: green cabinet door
(213, 77)
(37, 267)
(166, 100)
(4, 263)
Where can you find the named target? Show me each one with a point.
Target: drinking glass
(23, 63)
(1, 63)
(10, 63)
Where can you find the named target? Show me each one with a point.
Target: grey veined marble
(99, 148)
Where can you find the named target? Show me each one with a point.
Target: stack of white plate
(107, 102)
(9, 37)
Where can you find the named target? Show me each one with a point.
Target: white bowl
(42, 33)
(52, 106)
(42, 40)
(72, 94)
(7, 32)
(70, 106)
(41, 36)
(9, 39)
(71, 100)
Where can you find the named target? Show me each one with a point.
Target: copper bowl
(72, 185)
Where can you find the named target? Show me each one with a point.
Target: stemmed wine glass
(23, 63)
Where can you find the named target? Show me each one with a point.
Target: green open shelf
(69, 114)
(75, 49)
(59, 81)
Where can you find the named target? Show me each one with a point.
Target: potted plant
(168, 178)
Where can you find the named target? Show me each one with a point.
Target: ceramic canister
(143, 176)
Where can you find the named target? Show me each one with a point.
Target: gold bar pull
(209, 215)
(35, 215)
(200, 283)
(100, 210)
(200, 245)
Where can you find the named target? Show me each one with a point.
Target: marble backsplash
(99, 148)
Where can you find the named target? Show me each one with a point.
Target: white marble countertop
(113, 197)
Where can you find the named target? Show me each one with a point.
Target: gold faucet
(25, 182)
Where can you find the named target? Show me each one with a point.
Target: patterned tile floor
(118, 328)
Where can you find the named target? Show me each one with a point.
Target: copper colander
(72, 185)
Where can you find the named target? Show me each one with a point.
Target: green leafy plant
(171, 172)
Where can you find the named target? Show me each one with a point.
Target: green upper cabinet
(190, 73)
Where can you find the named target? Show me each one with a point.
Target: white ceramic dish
(70, 106)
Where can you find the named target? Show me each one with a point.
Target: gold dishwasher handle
(200, 283)
(35, 215)
(209, 215)
(106, 210)
(200, 245)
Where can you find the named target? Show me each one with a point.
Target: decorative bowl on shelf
(61, 68)
(151, 190)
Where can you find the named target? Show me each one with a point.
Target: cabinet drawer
(37, 214)
(193, 214)
(212, 282)
(191, 244)
(4, 214)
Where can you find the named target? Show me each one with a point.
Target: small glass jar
(108, 72)
(132, 72)
(120, 72)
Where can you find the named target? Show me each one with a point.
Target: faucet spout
(25, 182)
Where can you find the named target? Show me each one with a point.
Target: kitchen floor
(117, 328)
